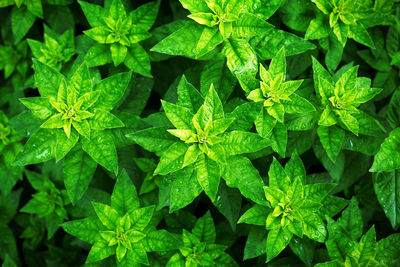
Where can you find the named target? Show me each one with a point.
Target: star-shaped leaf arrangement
(75, 116)
(218, 22)
(279, 97)
(347, 246)
(118, 34)
(276, 93)
(48, 203)
(348, 19)
(340, 96)
(293, 208)
(12, 58)
(123, 229)
(56, 50)
(199, 248)
(10, 145)
(202, 142)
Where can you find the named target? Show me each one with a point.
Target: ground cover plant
(188, 133)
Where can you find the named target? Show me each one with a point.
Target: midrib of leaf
(242, 60)
(395, 193)
(135, 58)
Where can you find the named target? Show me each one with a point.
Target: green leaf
(215, 72)
(367, 244)
(65, 144)
(141, 217)
(137, 255)
(386, 185)
(295, 168)
(172, 159)
(256, 243)
(104, 120)
(8, 262)
(241, 57)
(238, 142)
(209, 39)
(39, 106)
(99, 251)
(86, 229)
(351, 220)
(204, 229)
(245, 115)
(360, 34)
(341, 31)
(277, 240)
(266, 8)
(25, 123)
(279, 138)
(212, 106)
(108, 216)
(317, 29)
(265, 123)
(81, 80)
(319, 73)
(332, 139)
(98, 54)
(99, 34)
(327, 118)
(304, 249)
(317, 192)
(179, 116)
(388, 157)
(161, 240)
(387, 249)
(268, 44)
(208, 175)
(277, 111)
(185, 188)
(297, 104)
(182, 42)
(7, 243)
(46, 79)
(241, 174)
(314, 227)
(40, 147)
(195, 6)
(334, 54)
(124, 197)
(277, 65)
(326, 90)
(21, 22)
(118, 53)
(229, 203)
(249, 25)
(78, 170)
(138, 60)
(116, 9)
(255, 215)
(145, 15)
(112, 89)
(102, 149)
(277, 176)
(323, 5)
(156, 139)
(93, 13)
(188, 96)
(37, 181)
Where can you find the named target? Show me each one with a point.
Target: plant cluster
(189, 133)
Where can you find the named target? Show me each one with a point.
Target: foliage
(199, 133)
